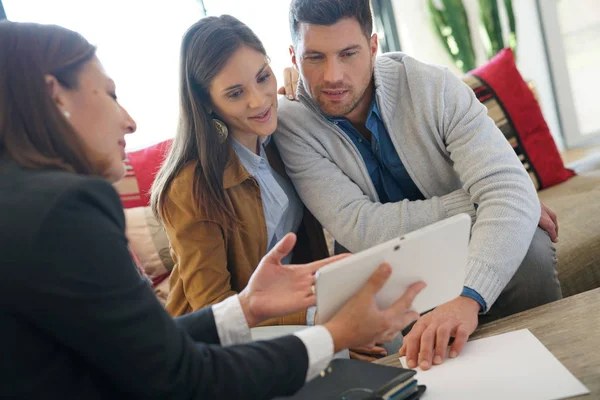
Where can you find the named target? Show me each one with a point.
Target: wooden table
(569, 328)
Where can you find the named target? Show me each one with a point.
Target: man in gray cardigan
(378, 146)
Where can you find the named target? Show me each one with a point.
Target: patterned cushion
(147, 239)
(150, 246)
(516, 112)
(141, 168)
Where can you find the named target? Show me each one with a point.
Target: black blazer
(77, 321)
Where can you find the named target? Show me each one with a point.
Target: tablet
(435, 254)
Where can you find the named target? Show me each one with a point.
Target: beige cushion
(577, 203)
(150, 245)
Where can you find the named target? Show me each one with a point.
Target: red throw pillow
(141, 166)
(524, 125)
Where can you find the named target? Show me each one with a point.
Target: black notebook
(353, 379)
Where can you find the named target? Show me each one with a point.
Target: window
(138, 43)
(385, 25)
(572, 33)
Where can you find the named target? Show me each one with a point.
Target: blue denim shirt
(281, 205)
(389, 176)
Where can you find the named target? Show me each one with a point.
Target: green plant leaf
(512, 25)
(451, 25)
(490, 18)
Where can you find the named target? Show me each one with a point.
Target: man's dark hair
(329, 12)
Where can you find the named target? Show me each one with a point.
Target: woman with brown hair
(222, 193)
(76, 319)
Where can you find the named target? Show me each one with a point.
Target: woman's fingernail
(453, 354)
(411, 364)
(424, 364)
(437, 360)
(289, 96)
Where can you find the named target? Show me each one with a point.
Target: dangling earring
(222, 130)
(67, 114)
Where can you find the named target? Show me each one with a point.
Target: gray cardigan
(450, 147)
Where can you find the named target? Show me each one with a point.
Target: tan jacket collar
(234, 173)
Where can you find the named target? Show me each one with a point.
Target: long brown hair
(33, 131)
(206, 48)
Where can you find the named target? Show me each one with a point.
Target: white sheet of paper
(514, 365)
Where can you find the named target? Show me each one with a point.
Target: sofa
(576, 201)
(572, 191)
(577, 204)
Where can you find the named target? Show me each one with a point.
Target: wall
(419, 40)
